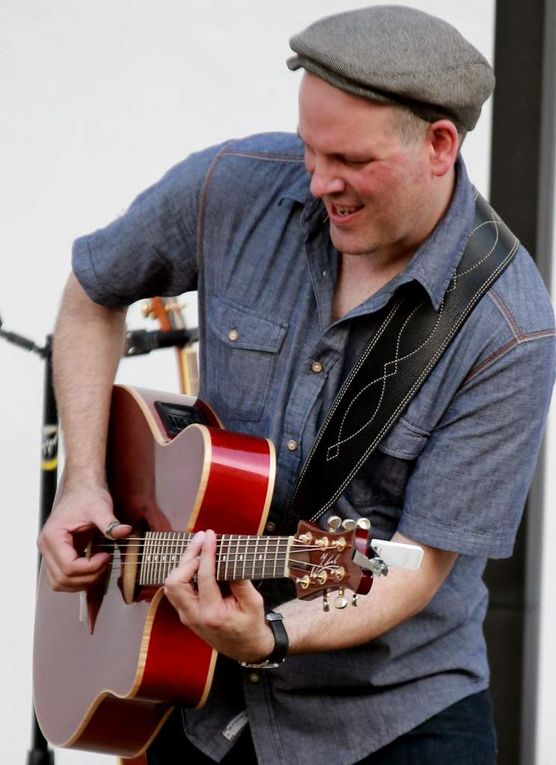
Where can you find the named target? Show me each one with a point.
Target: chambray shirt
(237, 223)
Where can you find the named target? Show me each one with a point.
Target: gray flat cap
(397, 54)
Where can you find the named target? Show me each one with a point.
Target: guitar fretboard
(237, 556)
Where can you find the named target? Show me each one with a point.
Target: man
(296, 245)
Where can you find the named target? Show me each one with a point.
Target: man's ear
(444, 145)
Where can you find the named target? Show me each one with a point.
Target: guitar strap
(395, 363)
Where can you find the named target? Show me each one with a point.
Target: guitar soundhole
(176, 417)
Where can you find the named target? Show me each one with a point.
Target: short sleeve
(151, 249)
(469, 485)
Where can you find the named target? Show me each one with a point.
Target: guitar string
(224, 547)
(166, 558)
(233, 545)
(117, 568)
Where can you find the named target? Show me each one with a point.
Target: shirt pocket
(378, 489)
(405, 441)
(243, 357)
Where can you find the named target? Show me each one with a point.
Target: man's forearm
(88, 345)
(393, 599)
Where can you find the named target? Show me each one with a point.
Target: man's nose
(325, 180)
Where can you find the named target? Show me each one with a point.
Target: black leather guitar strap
(401, 354)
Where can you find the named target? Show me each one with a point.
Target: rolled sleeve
(469, 486)
(151, 249)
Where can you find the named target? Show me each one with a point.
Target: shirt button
(233, 335)
(316, 367)
(270, 527)
(254, 678)
(292, 445)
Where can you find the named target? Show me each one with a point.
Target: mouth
(342, 214)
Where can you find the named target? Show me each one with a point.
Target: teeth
(345, 210)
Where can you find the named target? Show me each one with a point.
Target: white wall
(98, 99)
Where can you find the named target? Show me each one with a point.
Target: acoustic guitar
(110, 663)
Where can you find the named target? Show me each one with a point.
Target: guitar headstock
(169, 314)
(167, 311)
(320, 561)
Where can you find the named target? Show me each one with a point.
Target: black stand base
(40, 758)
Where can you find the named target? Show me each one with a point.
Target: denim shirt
(237, 223)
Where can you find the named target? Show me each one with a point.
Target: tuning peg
(334, 523)
(174, 305)
(341, 600)
(348, 524)
(147, 309)
(325, 603)
(364, 523)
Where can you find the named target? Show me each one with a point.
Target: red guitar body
(108, 672)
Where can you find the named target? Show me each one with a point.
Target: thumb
(115, 529)
(246, 594)
(102, 512)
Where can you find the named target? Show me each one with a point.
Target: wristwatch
(281, 643)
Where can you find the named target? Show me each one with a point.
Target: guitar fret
(161, 557)
(185, 540)
(151, 560)
(243, 559)
(156, 557)
(263, 572)
(169, 554)
(234, 576)
(255, 558)
(228, 552)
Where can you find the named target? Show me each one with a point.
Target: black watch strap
(281, 643)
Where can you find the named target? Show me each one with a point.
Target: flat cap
(397, 54)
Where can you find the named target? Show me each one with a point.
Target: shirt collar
(298, 190)
(436, 260)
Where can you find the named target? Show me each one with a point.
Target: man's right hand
(77, 511)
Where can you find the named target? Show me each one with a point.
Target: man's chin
(348, 244)
(347, 247)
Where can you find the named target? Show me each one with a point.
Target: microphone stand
(138, 342)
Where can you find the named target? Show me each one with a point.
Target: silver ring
(111, 526)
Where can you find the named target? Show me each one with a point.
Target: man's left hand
(233, 623)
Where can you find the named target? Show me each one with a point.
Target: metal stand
(39, 753)
(137, 343)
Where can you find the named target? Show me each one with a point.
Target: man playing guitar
(297, 245)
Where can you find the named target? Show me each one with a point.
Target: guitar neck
(237, 556)
(188, 371)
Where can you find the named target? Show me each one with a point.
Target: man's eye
(355, 162)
